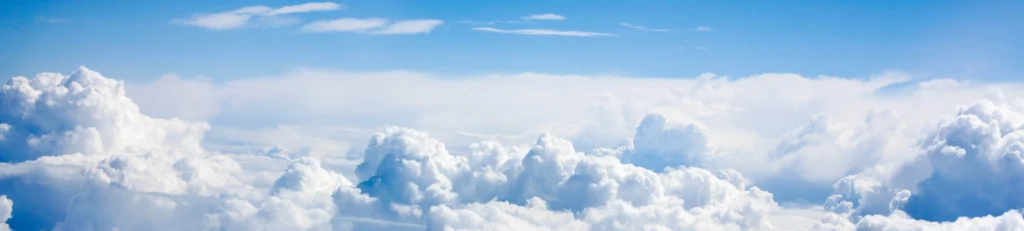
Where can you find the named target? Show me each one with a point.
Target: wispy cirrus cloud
(52, 20)
(643, 28)
(703, 29)
(544, 32)
(380, 26)
(547, 16)
(260, 15)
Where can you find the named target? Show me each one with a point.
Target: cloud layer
(709, 153)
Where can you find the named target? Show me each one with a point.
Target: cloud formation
(548, 16)
(543, 32)
(373, 26)
(968, 166)
(254, 15)
(405, 177)
(681, 154)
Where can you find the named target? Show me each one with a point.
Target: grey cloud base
(77, 154)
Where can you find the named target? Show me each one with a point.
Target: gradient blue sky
(136, 40)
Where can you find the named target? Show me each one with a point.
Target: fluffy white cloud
(406, 168)
(661, 154)
(53, 114)
(548, 16)
(969, 166)
(6, 205)
(543, 32)
(374, 26)
(261, 15)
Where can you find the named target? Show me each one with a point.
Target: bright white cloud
(548, 16)
(543, 32)
(258, 15)
(374, 26)
(643, 28)
(79, 153)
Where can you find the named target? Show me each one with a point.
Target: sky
(940, 39)
(502, 115)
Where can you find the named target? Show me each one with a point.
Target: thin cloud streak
(544, 32)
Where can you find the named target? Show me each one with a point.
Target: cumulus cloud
(968, 166)
(79, 155)
(373, 26)
(495, 187)
(258, 15)
(548, 16)
(6, 205)
(543, 32)
(53, 114)
(677, 154)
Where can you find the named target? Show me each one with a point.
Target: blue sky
(136, 40)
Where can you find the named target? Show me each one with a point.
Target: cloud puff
(373, 26)
(543, 32)
(262, 15)
(548, 16)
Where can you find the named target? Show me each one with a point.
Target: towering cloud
(969, 166)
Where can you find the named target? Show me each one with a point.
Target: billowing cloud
(968, 166)
(543, 32)
(249, 15)
(661, 154)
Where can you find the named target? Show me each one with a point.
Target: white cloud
(643, 28)
(543, 32)
(6, 207)
(345, 25)
(421, 26)
(703, 29)
(967, 166)
(79, 153)
(548, 16)
(374, 26)
(306, 7)
(259, 15)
